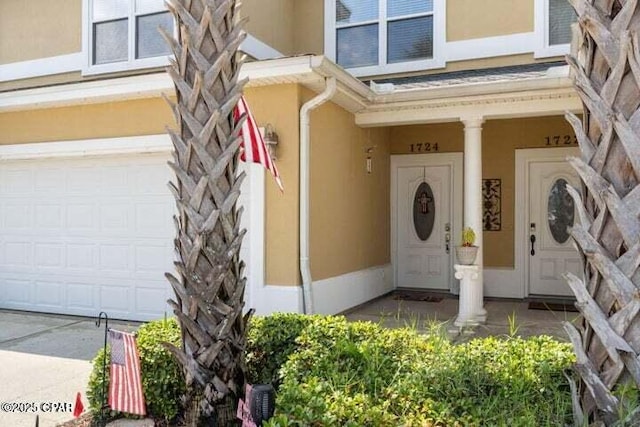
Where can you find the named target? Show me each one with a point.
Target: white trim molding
(541, 30)
(489, 47)
(258, 49)
(337, 294)
(439, 37)
(41, 67)
(90, 147)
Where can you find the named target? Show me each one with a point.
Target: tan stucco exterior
(279, 105)
(349, 208)
(30, 29)
(473, 19)
(271, 22)
(500, 139)
(308, 30)
(110, 120)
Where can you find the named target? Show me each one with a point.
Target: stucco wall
(308, 30)
(109, 120)
(272, 22)
(279, 105)
(500, 139)
(471, 19)
(349, 208)
(27, 30)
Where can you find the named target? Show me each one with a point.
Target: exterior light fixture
(369, 152)
(271, 139)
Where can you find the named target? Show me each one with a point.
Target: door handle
(532, 238)
(447, 239)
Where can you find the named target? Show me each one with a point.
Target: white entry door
(551, 213)
(424, 200)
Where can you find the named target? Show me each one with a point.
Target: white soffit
(547, 95)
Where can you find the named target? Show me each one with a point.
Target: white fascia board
(489, 47)
(90, 147)
(136, 87)
(258, 49)
(308, 70)
(41, 67)
(493, 106)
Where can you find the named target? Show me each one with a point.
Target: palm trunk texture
(606, 71)
(209, 285)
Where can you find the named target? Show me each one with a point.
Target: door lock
(447, 239)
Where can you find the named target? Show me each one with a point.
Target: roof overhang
(549, 95)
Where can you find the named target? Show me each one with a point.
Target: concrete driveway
(45, 360)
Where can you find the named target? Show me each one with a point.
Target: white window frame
(541, 28)
(439, 25)
(131, 63)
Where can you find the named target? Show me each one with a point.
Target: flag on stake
(78, 407)
(253, 148)
(125, 385)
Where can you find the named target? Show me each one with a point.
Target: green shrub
(363, 374)
(162, 380)
(270, 341)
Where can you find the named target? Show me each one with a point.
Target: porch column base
(471, 311)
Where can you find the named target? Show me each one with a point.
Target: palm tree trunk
(210, 283)
(606, 72)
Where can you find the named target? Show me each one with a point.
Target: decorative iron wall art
(491, 197)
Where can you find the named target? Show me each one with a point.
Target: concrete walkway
(395, 310)
(44, 363)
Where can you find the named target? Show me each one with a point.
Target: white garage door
(88, 234)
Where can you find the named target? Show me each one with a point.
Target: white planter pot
(466, 254)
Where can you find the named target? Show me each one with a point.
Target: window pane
(561, 15)
(358, 46)
(149, 6)
(354, 11)
(408, 7)
(104, 10)
(149, 42)
(560, 211)
(110, 41)
(410, 39)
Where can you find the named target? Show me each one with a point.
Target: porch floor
(397, 310)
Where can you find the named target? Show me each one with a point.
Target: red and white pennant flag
(125, 385)
(253, 148)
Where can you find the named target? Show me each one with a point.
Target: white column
(473, 194)
(469, 312)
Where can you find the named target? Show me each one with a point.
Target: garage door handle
(532, 238)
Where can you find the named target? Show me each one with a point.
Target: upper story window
(553, 19)
(123, 34)
(370, 37)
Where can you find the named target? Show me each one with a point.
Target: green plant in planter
(468, 237)
(467, 252)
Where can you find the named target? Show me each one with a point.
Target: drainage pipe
(305, 265)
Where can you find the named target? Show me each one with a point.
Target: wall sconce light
(271, 139)
(369, 160)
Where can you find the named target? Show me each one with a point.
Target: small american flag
(257, 151)
(125, 385)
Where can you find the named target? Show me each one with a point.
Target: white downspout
(305, 265)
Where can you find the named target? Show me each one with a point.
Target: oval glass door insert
(424, 211)
(560, 211)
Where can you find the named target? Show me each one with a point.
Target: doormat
(553, 306)
(416, 296)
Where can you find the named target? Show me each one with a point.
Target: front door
(551, 214)
(424, 222)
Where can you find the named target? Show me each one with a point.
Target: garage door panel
(49, 294)
(81, 235)
(15, 254)
(81, 297)
(49, 256)
(115, 299)
(81, 258)
(16, 292)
